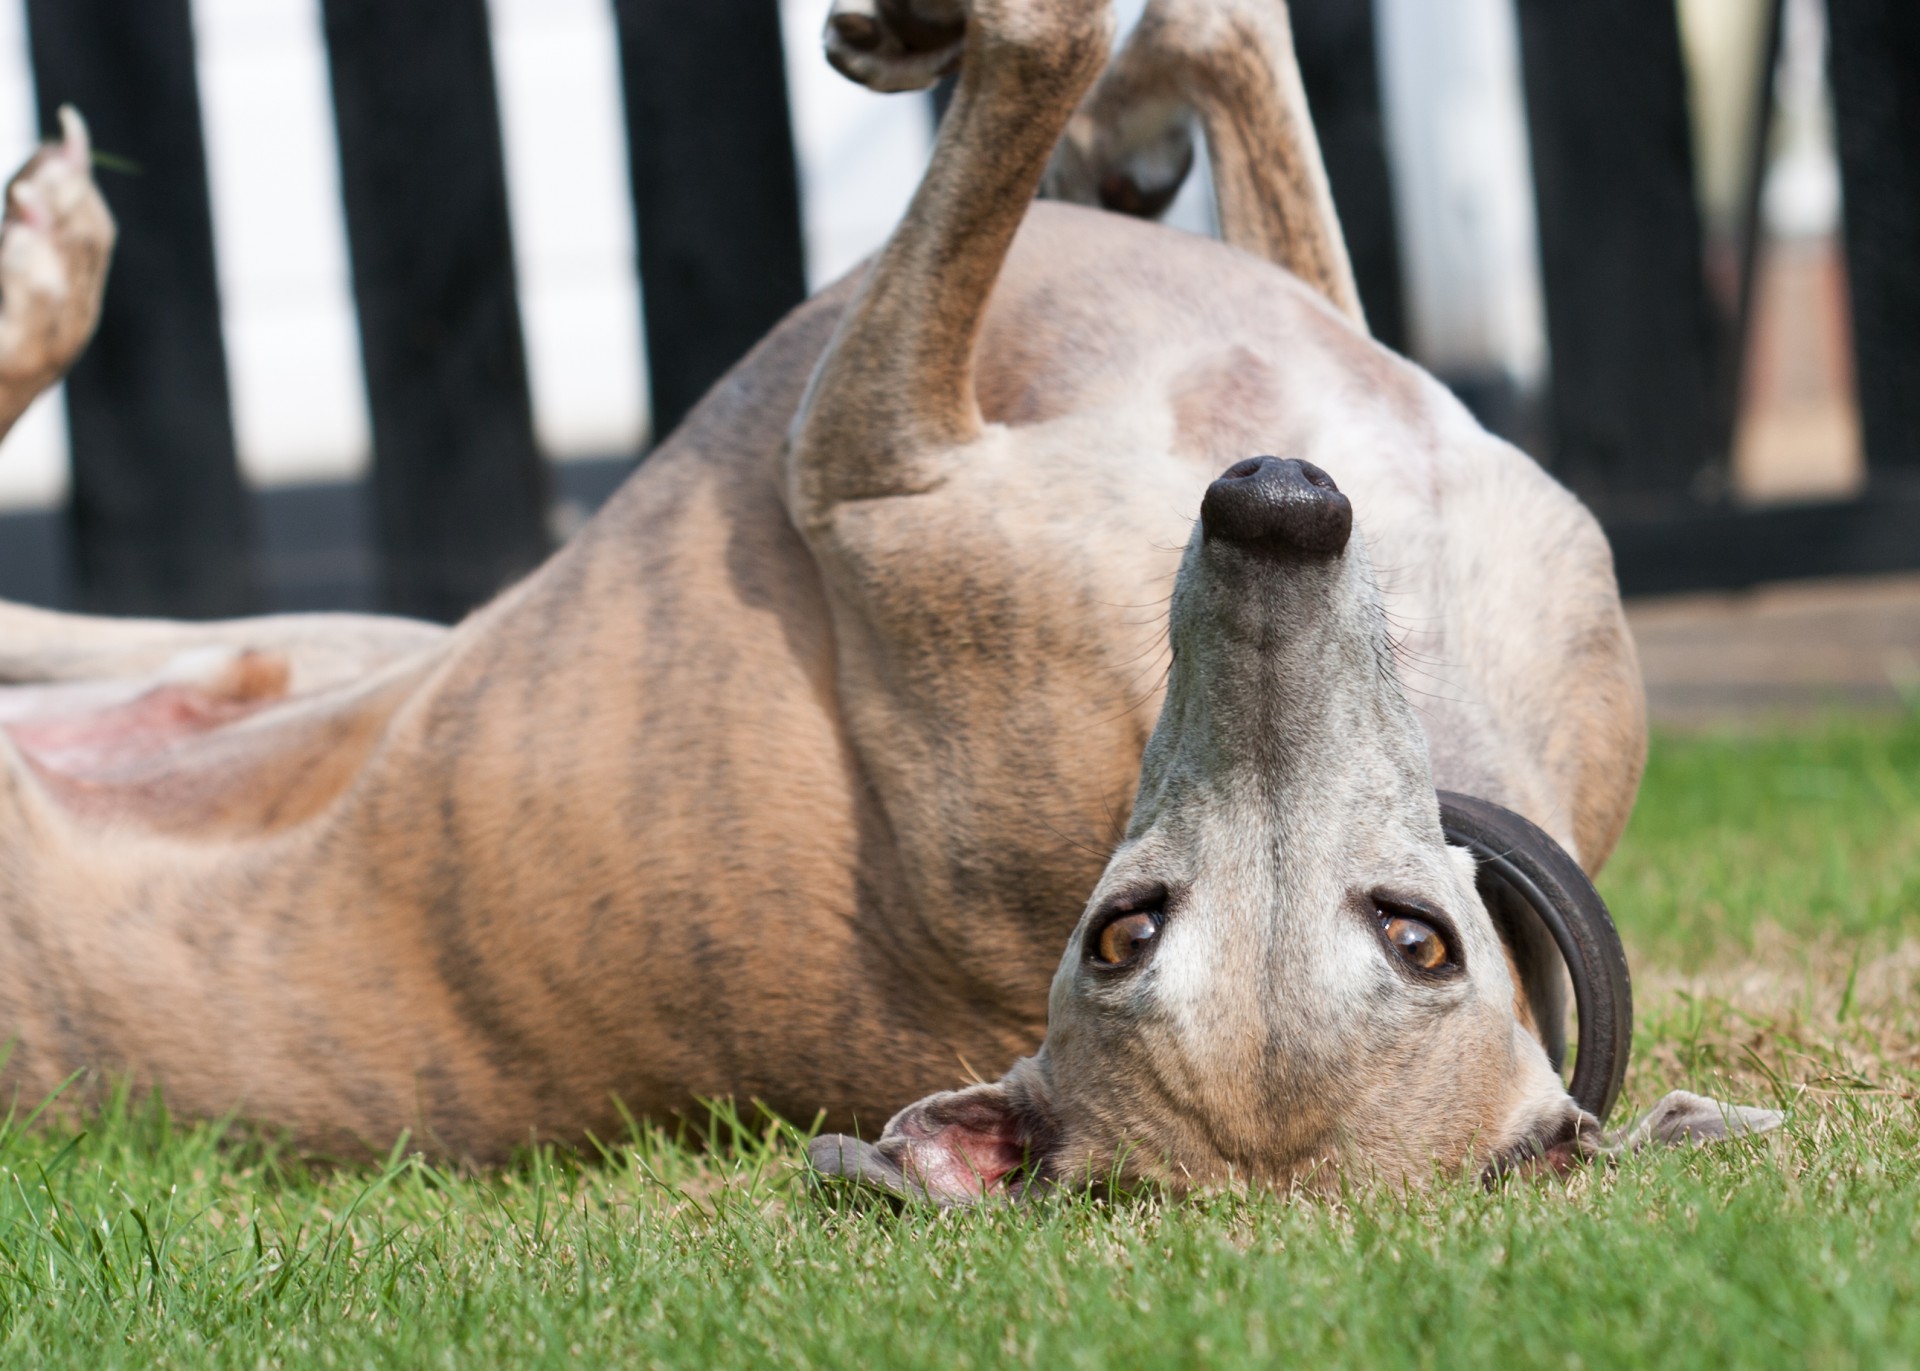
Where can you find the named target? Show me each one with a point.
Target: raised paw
(896, 45)
(55, 242)
(1122, 154)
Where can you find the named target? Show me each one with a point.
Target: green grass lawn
(1769, 889)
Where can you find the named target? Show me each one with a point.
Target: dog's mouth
(1564, 1141)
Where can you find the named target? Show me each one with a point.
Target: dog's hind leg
(55, 242)
(56, 239)
(42, 646)
(1231, 62)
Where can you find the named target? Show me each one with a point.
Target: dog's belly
(737, 887)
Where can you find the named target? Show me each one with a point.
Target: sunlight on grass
(1767, 887)
(1815, 832)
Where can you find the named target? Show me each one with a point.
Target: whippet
(788, 776)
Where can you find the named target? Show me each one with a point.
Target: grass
(1815, 833)
(1768, 888)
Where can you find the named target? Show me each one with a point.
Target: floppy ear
(953, 1148)
(1685, 1117)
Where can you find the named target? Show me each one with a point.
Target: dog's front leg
(1231, 62)
(953, 669)
(893, 397)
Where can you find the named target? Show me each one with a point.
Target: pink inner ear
(959, 1161)
(1564, 1158)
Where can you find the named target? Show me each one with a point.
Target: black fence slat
(160, 518)
(1335, 44)
(715, 190)
(459, 490)
(1694, 548)
(1875, 57)
(1628, 321)
(35, 565)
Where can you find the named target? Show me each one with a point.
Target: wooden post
(1875, 57)
(716, 195)
(1628, 322)
(160, 519)
(460, 492)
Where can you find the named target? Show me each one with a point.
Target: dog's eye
(1419, 944)
(1124, 940)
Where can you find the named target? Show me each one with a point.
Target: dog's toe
(892, 48)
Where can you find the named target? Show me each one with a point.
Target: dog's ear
(956, 1147)
(1683, 1117)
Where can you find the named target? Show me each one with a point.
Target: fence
(1638, 414)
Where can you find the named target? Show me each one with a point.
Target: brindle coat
(789, 775)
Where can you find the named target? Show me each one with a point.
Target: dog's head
(1288, 968)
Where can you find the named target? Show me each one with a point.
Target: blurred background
(405, 287)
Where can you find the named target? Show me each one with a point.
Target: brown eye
(1418, 944)
(1125, 940)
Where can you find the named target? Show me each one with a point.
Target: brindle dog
(787, 777)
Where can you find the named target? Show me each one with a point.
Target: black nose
(1281, 505)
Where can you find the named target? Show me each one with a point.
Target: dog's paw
(56, 239)
(896, 45)
(1125, 156)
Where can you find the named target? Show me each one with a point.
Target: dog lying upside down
(789, 776)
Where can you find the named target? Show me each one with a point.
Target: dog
(788, 776)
